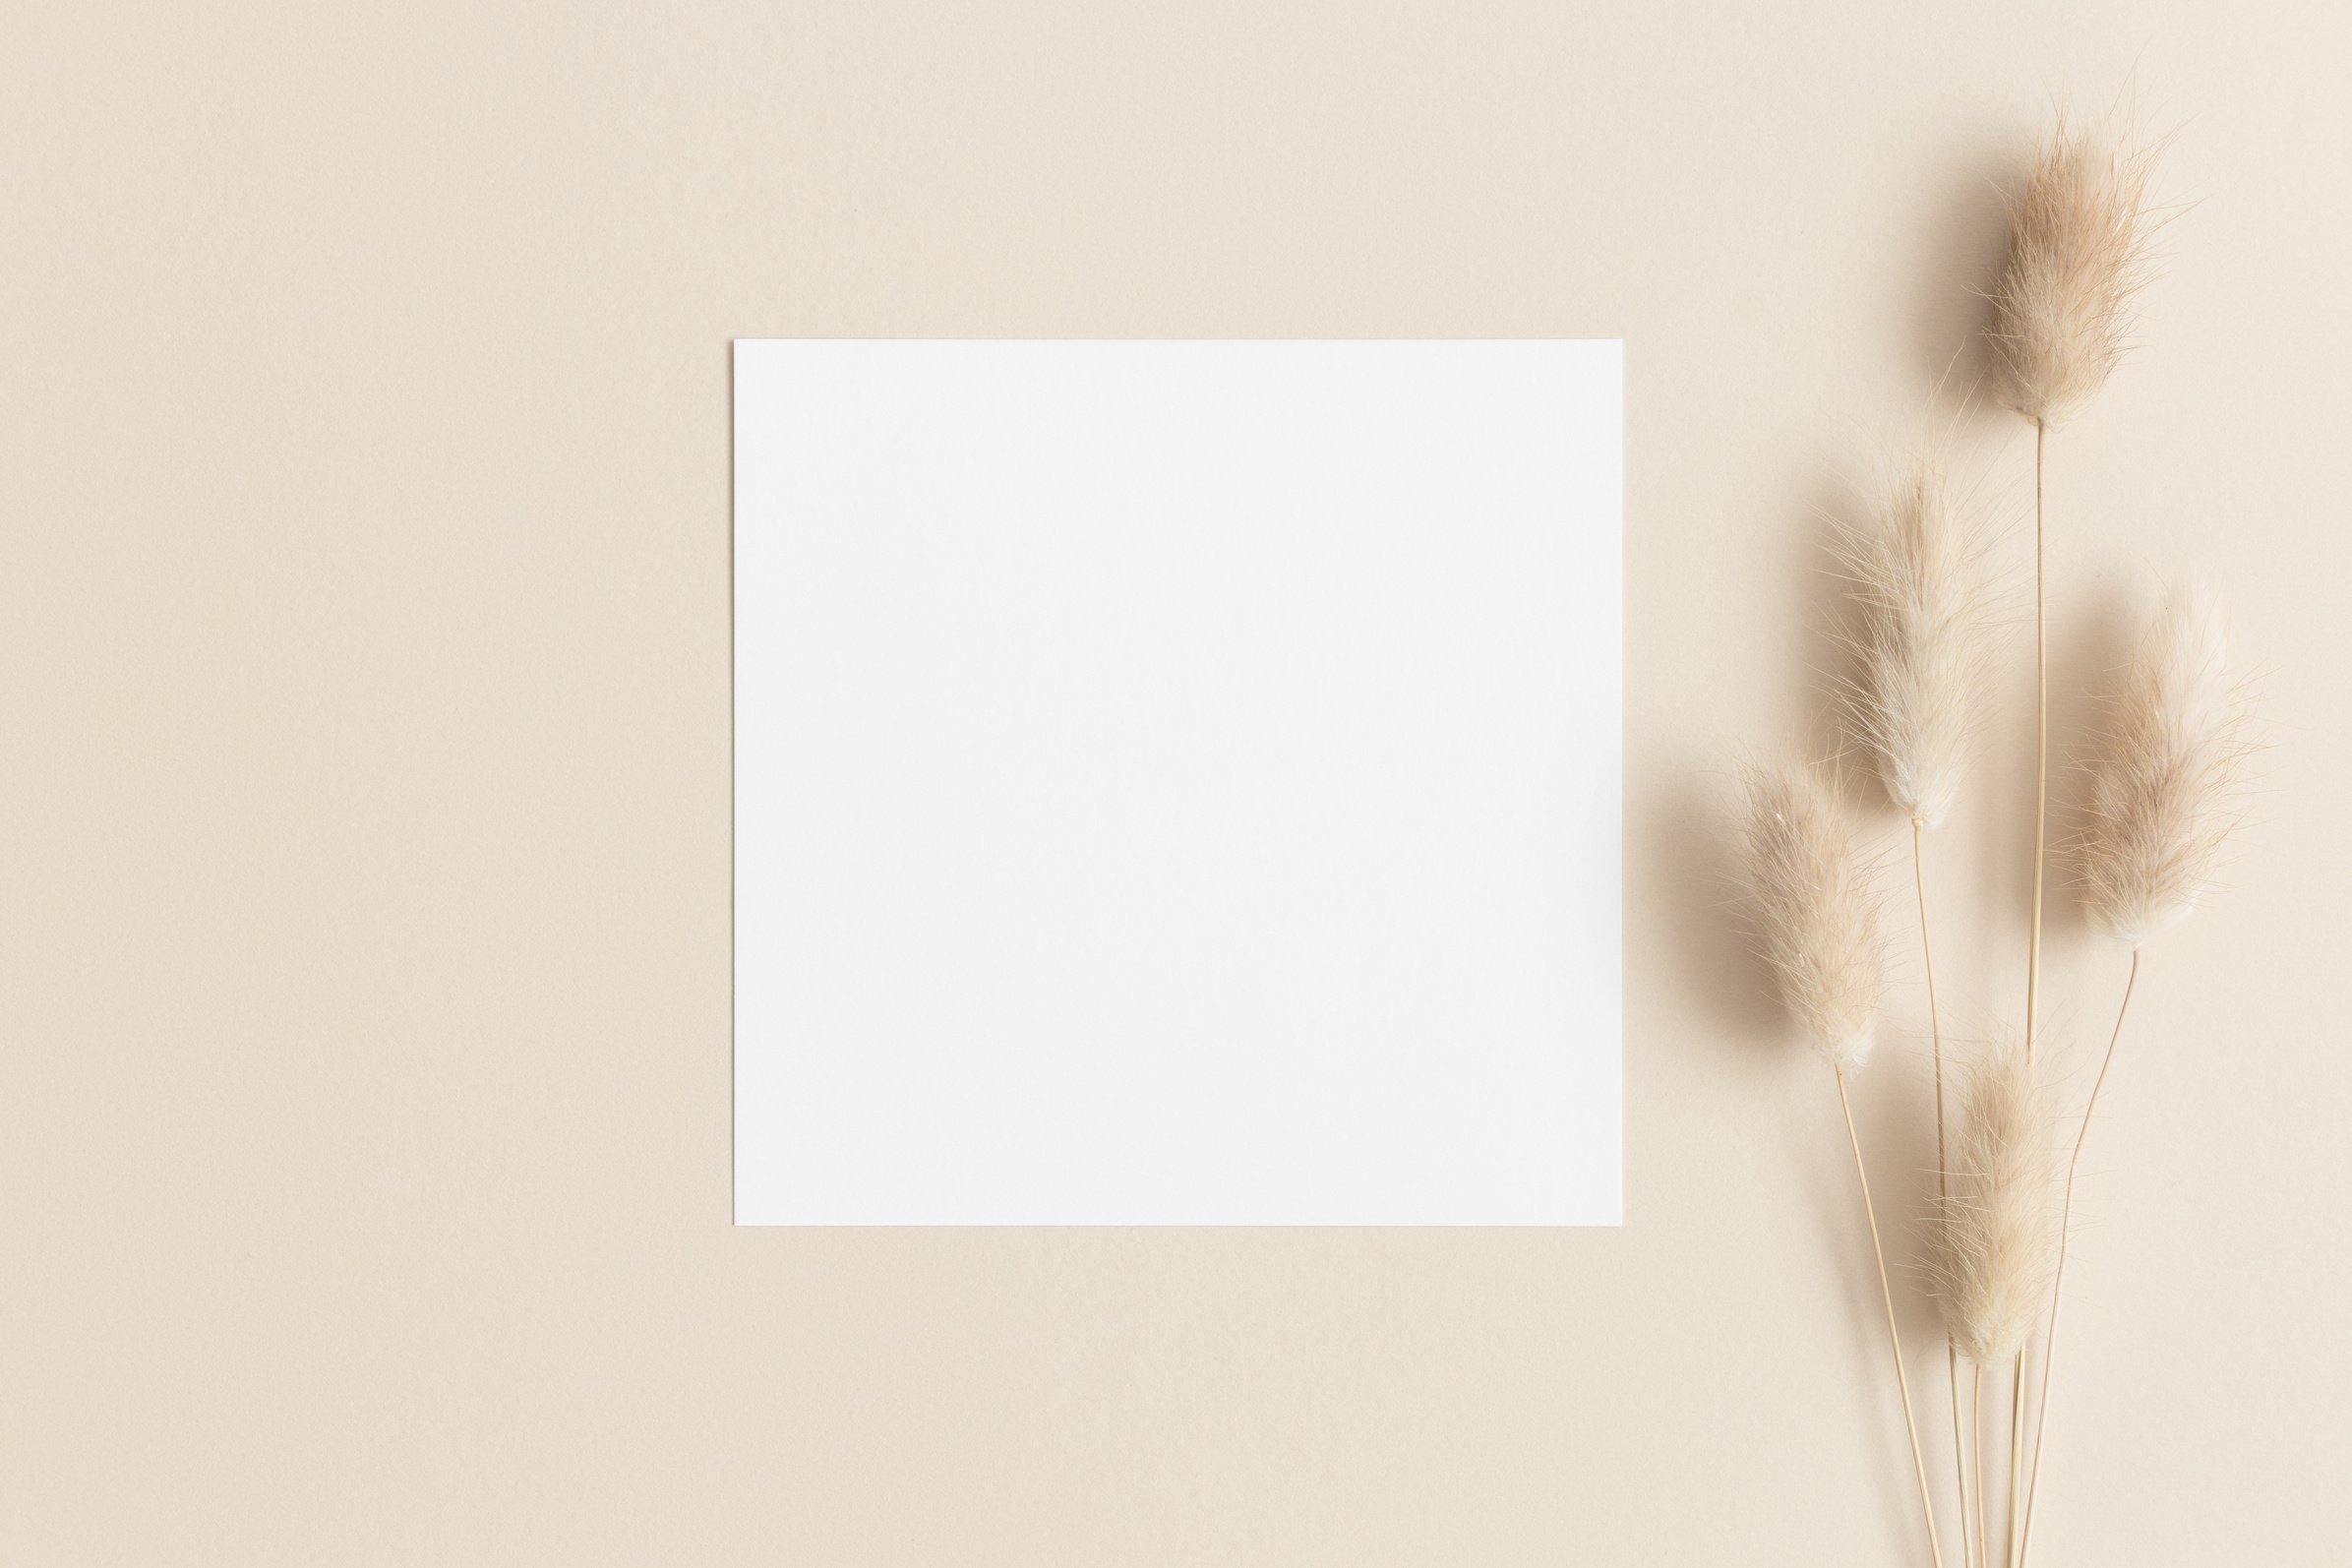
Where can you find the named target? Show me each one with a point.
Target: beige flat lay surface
(364, 1088)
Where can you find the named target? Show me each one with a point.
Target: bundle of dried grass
(2163, 808)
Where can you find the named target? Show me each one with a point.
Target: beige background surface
(363, 638)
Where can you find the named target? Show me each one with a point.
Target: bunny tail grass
(1902, 1382)
(2079, 250)
(1814, 909)
(1992, 1235)
(2162, 798)
(1923, 630)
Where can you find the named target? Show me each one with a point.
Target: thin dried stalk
(1976, 1451)
(1934, 1033)
(2041, 744)
(1903, 1381)
(2066, 1213)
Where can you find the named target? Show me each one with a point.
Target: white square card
(1177, 783)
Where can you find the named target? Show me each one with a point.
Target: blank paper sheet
(1176, 782)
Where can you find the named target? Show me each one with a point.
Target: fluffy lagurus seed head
(1993, 1234)
(2079, 240)
(2163, 799)
(1921, 644)
(1815, 910)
